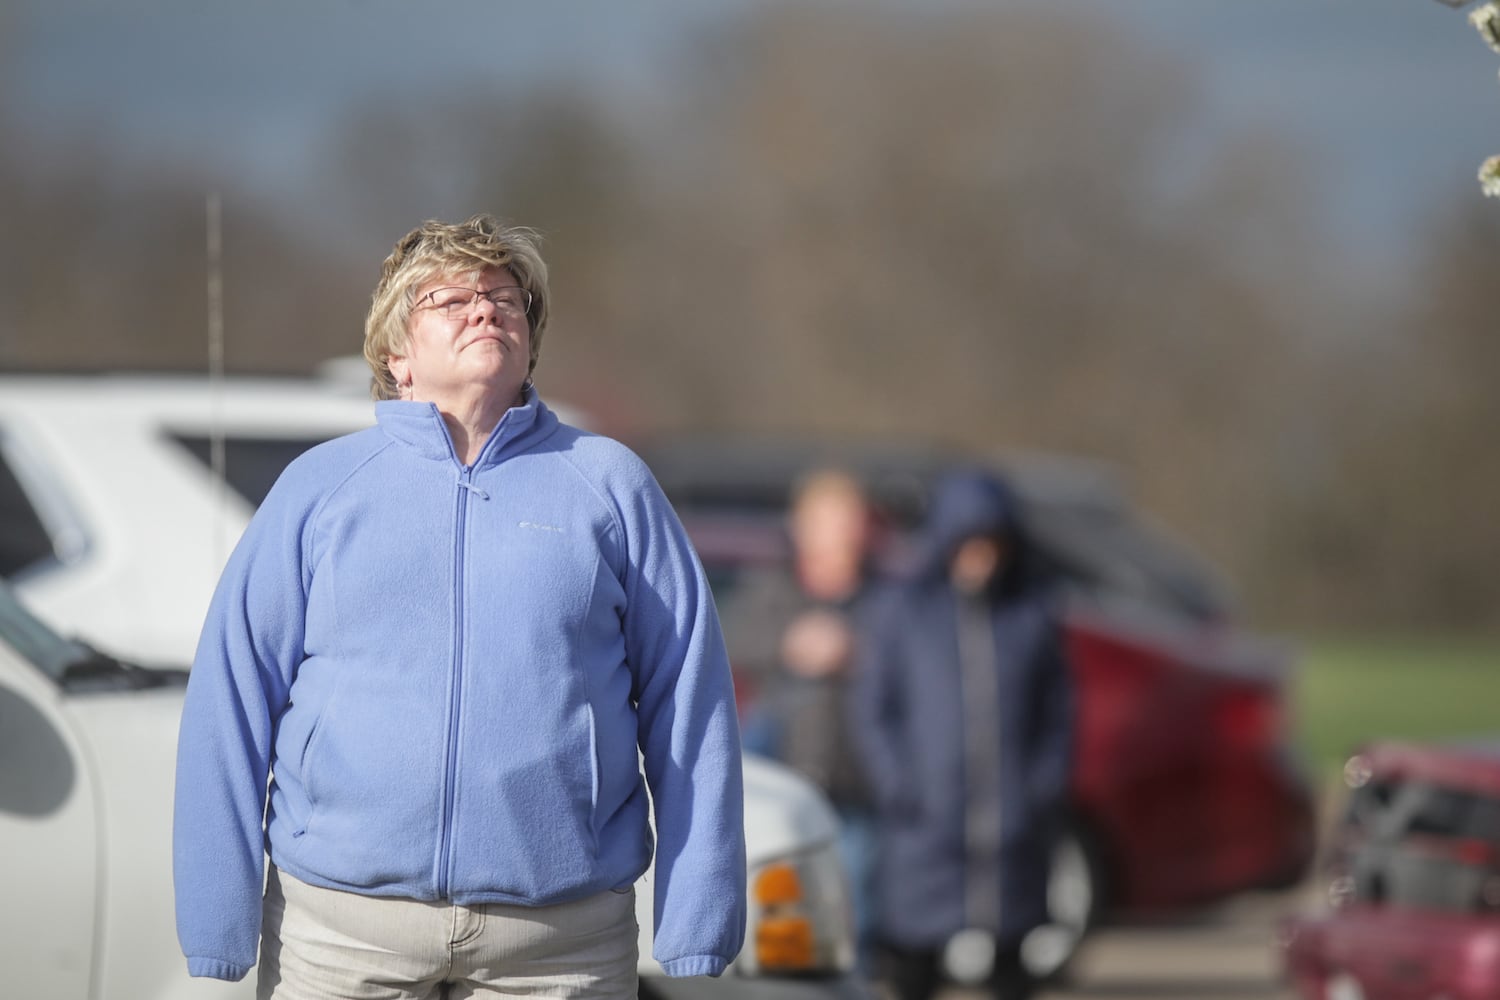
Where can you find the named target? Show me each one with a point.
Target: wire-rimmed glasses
(454, 302)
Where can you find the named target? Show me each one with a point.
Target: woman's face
(484, 346)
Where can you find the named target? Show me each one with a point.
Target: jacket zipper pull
(481, 494)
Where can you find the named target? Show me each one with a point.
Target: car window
(1440, 811)
(251, 464)
(1436, 811)
(1484, 819)
(1368, 804)
(24, 540)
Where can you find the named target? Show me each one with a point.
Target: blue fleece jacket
(448, 672)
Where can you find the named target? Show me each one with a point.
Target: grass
(1351, 689)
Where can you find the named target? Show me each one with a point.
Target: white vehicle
(114, 526)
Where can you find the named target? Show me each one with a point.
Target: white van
(120, 499)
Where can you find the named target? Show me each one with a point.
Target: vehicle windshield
(1426, 844)
(35, 641)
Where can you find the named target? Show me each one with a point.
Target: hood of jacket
(971, 502)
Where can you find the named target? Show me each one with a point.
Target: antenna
(216, 462)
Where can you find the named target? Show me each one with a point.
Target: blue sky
(1394, 102)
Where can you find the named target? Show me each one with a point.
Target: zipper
(450, 777)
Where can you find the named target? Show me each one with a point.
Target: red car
(1184, 790)
(1413, 880)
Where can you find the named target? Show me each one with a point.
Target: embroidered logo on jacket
(537, 526)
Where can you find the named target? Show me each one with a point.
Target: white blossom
(1486, 19)
(1489, 177)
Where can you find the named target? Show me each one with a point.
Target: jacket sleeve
(875, 705)
(1055, 712)
(247, 655)
(689, 739)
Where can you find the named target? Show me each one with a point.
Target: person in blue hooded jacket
(432, 673)
(962, 707)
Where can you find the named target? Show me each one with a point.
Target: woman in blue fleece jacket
(426, 675)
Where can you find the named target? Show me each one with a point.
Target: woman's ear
(400, 369)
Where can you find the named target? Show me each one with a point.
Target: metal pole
(215, 254)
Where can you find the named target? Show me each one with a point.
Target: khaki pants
(323, 944)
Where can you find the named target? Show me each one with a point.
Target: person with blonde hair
(432, 673)
(801, 642)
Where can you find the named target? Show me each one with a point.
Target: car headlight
(800, 918)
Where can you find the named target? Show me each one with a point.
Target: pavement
(1225, 953)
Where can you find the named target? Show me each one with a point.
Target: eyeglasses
(454, 302)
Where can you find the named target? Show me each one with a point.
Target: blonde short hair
(436, 249)
(828, 483)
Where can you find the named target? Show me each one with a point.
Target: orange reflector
(784, 943)
(778, 885)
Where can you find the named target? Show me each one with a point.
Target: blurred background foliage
(978, 230)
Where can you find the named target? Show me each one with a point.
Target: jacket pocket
(304, 771)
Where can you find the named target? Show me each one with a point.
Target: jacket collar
(420, 427)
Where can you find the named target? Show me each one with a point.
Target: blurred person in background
(444, 640)
(802, 629)
(963, 711)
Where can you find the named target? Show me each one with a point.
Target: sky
(1393, 102)
(1396, 101)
